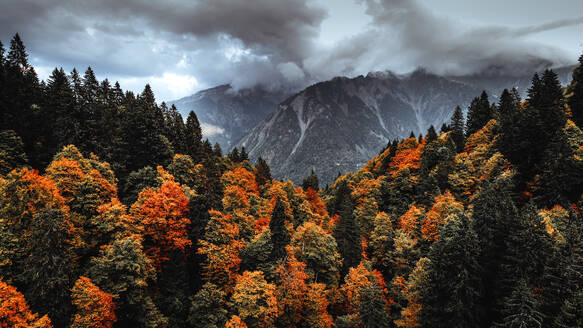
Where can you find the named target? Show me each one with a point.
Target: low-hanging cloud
(260, 42)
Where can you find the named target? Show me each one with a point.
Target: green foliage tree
(457, 129)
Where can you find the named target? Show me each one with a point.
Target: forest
(114, 212)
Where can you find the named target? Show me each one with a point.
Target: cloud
(180, 46)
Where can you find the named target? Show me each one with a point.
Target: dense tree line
(115, 213)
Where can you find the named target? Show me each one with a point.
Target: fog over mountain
(183, 46)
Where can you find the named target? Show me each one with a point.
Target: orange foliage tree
(297, 300)
(408, 155)
(410, 222)
(95, 308)
(235, 322)
(221, 247)
(254, 300)
(14, 312)
(444, 206)
(162, 215)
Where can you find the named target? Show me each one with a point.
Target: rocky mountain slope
(226, 114)
(335, 126)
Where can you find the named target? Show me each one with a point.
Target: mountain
(226, 114)
(335, 126)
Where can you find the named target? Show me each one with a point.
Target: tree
(95, 308)
(372, 313)
(162, 214)
(254, 300)
(123, 271)
(315, 247)
(262, 172)
(311, 181)
(14, 311)
(279, 234)
(243, 156)
(457, 129)
(453, 284)
(431, 134)
(479, 113)
(347, 232)
(12, 155)
(193, 137)
(208, 308)
(575, 92)
(521, 309)
(50, 268)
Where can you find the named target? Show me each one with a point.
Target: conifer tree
(279, 234)
(262, 172)
(372, 311)
(457, 128)
(453, 285)
(193, 137)
(575, 92)
(521, 309)
(311, 181)
(347, 232)
(479, 113)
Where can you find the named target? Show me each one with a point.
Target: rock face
(226, 115)
(336, 126)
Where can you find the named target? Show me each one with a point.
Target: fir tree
(479, 113)
(279, 234)
(457, 129)
(347, 232)
(311, 181)
(575, 92)
(262, 172)
(193, 137)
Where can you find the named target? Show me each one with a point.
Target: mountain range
(334, 126)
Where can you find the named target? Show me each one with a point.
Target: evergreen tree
(217, 150)
(243, 156)
(311, 181)
(50, 269)
(372, 313)
(492, 208)
(347, 232)
(479, 113)
(575, 92)
(234, 155)
(457, 129)
(431, 134)
(521, 309)
(453, 286)
(279, 234)
(208, 308)
(193, 138)
(262, 172)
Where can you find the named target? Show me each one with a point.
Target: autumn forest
(114, 212)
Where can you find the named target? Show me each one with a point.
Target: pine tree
(575, 92)
(492, 208)
(311, 181)
(243, 156)
(193, 137)
(279, 234)
(453, 285)
(431, 134)
(479, 113)
(347, 232)
(372, 313)
(234, 155)
(521, 309)
(262, 172)
(457, 128)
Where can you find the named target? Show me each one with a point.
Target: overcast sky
(182, 46)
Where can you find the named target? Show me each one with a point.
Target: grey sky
(181, 46)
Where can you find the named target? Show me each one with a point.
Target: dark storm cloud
(404, 35)
(143, 38)
(249, 42)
